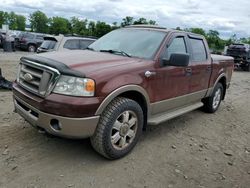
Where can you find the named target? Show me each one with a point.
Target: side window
(177, 46)
(199, 50)
(28, 35)
(40, 37)
(85, 43)
(71, 44)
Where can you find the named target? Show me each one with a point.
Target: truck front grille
(37, 78)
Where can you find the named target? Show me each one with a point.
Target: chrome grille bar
(37, 78)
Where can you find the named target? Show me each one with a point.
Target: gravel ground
(194, 150)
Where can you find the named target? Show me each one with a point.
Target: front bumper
(54, 124)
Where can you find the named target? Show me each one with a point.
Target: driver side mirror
(177, 60)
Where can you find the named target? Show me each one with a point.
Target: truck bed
(221, 58)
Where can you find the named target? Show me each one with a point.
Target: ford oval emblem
(28, 77)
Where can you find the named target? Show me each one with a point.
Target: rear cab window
(199, 52)
(72, 44)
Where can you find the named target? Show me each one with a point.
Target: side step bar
(157, 119)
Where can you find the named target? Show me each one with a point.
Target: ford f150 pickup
(130, 78)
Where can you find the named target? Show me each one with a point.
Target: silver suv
(61, 42)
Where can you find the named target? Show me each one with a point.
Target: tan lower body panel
(177, 102)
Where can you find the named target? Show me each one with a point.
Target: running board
(157, 119)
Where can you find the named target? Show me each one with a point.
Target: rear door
(201, 67)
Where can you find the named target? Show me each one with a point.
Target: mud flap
(5, 84)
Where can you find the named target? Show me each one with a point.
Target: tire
(32, 48)
(119, 128)
(212, 103)
(247, 67)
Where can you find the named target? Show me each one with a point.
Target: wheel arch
(223, 80)
(134, 92)
(32, 44)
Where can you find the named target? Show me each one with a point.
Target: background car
(241, 54)
(1, 40)
(61, 42)
(29, 41)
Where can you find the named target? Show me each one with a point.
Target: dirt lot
(194, 150)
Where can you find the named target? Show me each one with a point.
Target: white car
(61, 42)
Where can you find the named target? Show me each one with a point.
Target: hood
(88, 60)
(86, 63)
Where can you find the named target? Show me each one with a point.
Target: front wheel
(119, 128)
(212, 103)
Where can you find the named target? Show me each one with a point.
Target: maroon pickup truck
(128, 79)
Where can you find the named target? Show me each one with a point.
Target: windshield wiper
(116, 52)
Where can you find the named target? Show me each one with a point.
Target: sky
(228, 16)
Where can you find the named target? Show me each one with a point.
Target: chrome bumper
(56, 125)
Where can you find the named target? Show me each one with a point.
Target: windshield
(48, 44)
(133, 42)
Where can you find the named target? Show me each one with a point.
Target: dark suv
(29, 41)
(241, 54)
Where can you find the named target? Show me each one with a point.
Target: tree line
(15, 22)
(58, 25)
(41, 23)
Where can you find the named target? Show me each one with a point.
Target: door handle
(149, 73)
(209, 68)
(188, 70)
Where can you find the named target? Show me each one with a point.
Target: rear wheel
(119, 128)
(212, 103)
(247, 67)
(31, 48)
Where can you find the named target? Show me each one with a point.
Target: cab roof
(163, 29)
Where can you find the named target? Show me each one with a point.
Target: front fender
(118, 92)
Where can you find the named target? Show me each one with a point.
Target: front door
(171, 83)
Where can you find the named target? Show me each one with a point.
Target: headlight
(74, 86)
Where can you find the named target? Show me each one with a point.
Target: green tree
(114, 26)
(12, 21)
(79, 26)
(199, 31)
(140, 21)
(245, 40)
(39, 22)
(178, 28)
(102, 28)
(21, 22)
(152, 22)
(91, 28)
(3, 18)
(214, 40)
(59, 25)
(127, 21)
(231, 40)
